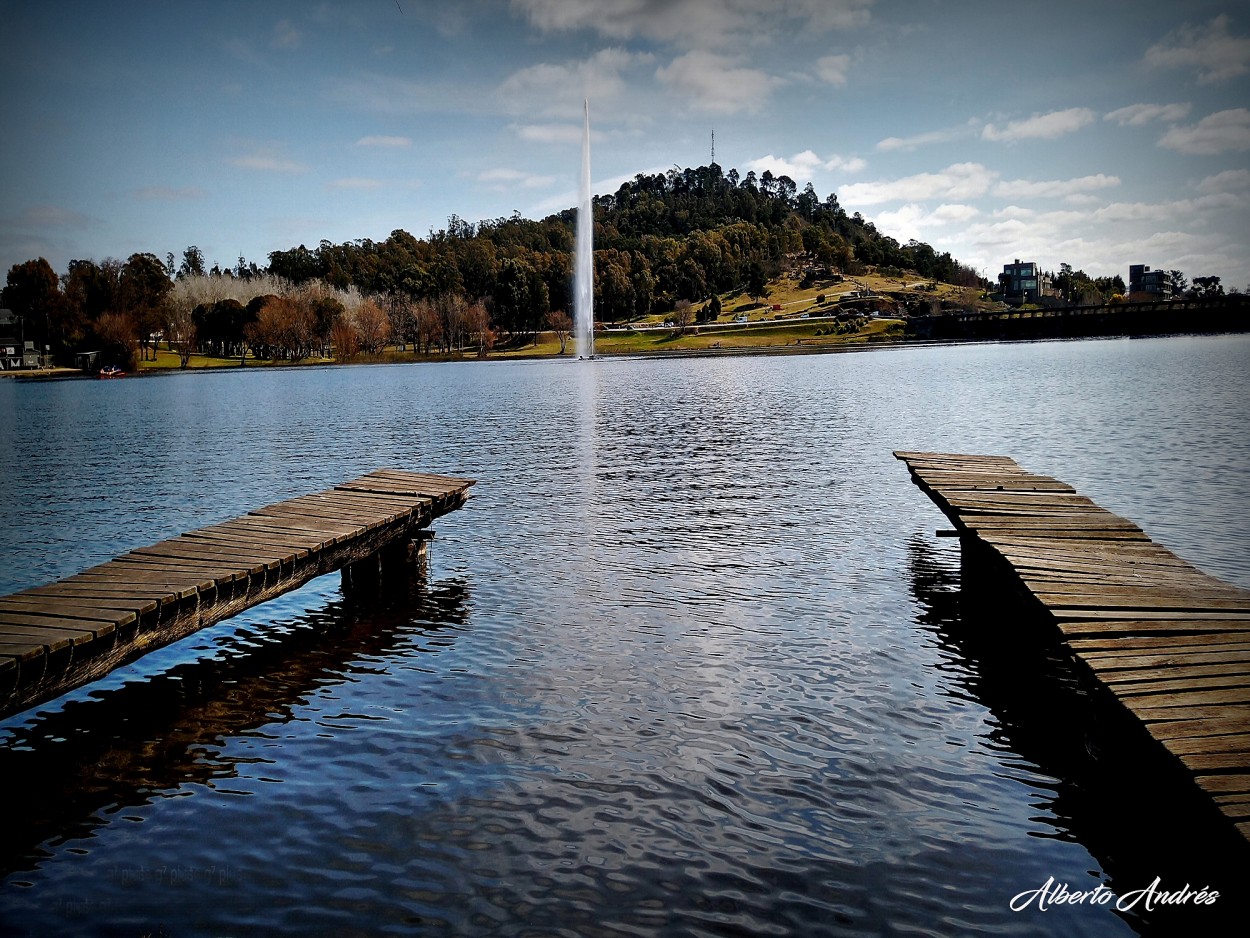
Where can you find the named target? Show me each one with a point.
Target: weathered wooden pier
(1168, 642)
(59, 636)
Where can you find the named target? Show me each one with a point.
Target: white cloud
(833, 69)
(511, 178)
(695, 22)
(550, 133)
(958, 181)
(1199, 210)
(1230, 180)
(803, 165)
(954, 213)
(915, 221)
(51, 216)
(1041, 126)
(944, 135)
(355, 182)
(1215, 133)
(1137, 114)
(1211, 49)
(1054, 188)
(268, 159)
(717, 84)
(168, 193)
(551, 90)
(384, 142)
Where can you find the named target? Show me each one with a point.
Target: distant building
(1024, 282)
(1144, 283)
(12, 345)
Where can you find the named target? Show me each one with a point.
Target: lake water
(691, 660)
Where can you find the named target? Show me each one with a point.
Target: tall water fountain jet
(584, 260)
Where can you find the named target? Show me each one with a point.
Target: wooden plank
(1146, 620)
(53, 639)
(299, 548)
(1133, 645)
(1134, 685)
(123, 575)
(62, 609)
(203, 576)
(57, 601)
(1170, 642)
(20, 651)
(265, 522)
(1149, 713)
(217, 575)
(1228, 742)
(1225, 783)
(1168, 661)
(1236, 670)
(1214, 761)
(1237, 723)
(1112, 599)
(1185, 698)
(105, 591)
(191, 549)
(363, 515)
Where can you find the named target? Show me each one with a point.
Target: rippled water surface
(691, 660)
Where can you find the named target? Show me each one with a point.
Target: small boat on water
(112, 371)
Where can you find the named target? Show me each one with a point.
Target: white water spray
(584, 260)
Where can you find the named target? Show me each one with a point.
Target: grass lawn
(709, 338)
(167, 360)
(767, 328)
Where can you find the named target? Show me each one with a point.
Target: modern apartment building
(1024, 282)
(1155, 284)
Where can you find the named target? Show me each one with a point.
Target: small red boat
(112, 371)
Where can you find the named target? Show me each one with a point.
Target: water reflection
(76, 768)
(1103, 784)
(688, 693)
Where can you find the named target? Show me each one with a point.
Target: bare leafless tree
(372, 327)
(477, 322)
(561, 323)
(343, 337)
(683, 315)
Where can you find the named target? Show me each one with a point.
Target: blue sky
(1097, 133)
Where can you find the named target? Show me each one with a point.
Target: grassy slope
(765, 330)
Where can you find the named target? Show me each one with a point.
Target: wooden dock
(1169, 642)
(59, 636)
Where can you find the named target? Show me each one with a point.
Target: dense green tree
(757, 281)
(143, 294)
(192, 262)
(32, 292)
(1205, 288)
(614, 289)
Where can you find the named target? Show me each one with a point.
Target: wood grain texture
(1169, 642)
(60, 635)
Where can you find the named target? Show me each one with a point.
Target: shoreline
(814, 348)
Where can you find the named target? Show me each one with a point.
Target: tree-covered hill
(681, 235)
(662, 242)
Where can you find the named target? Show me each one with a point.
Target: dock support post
(419, 553)
(391, 567)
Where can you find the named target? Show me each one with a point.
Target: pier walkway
(64, 634)
(1169, 642)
